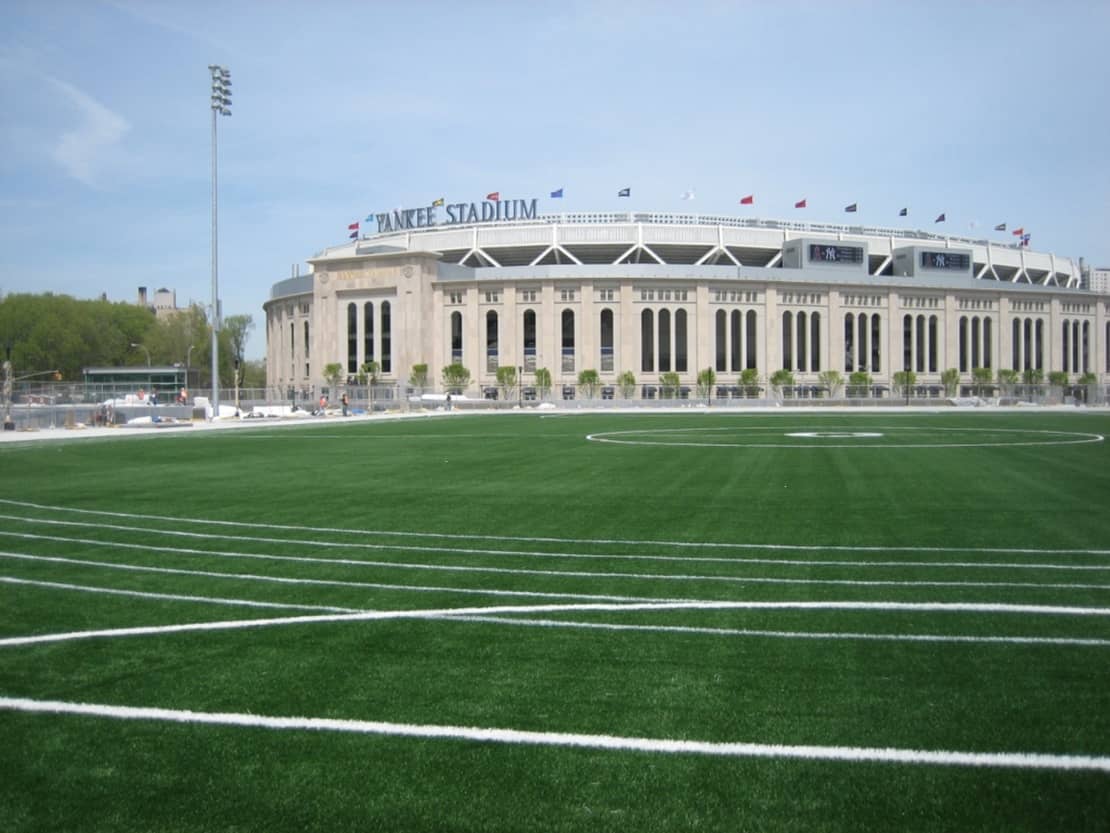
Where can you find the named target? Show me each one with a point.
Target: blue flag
(903, 212)
(851, 208)
(557, 194)
(624, 192)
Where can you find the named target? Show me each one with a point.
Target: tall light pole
(221, 106)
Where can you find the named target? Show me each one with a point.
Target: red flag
(748, 200)
(352, 227)
(1018, 232)
(494, 197)
(800, 204)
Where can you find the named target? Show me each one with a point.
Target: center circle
(834, 435)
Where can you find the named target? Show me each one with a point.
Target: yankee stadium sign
(491, 209)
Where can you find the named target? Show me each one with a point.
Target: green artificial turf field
(529, 622)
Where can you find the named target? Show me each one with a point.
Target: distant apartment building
(1100, 280)
(162, 303)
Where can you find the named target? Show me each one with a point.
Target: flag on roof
(557, 194)
(494, 196)
(851, 209)
(800, 204)
(353, 235)
(904, 212)
(437, 202)
(624, 192)
(353, 227)
(1025, 240)
(1000, 227)
(748, 200)
(939, 219)
(1018, 232)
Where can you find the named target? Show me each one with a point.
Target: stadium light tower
(221, 106)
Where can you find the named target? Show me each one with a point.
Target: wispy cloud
(82, 151)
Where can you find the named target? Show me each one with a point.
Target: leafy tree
(332, 372)
(749, 381)
(1007, 379)
(1087, 379)
(982, 376)
(950, 378)
(543, 382)
(506, 380)
(236, 330)
(1058, 378)
(1033, 376)
(779, 379)
(706, 380)
(669, 384)
(419, 376)
(904, 380)
(859, 383)
(627, 384)
(455, 377)
(832, 380)
(588, 382)
(368, 373)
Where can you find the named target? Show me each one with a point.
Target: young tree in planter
(588, 382)
(859, 384)
(1058, 378)
(832, 380)
(706, 380)
(455, 377)
(332, 372)
(506, 380)
(419, 376)
(368, 373)
(669, 384)
(1033, 376)
(904, 380)
(781, 379)
(543, 382)
(1007, 379)
(982, 376)
(749, 382)
(627, 384)
(950, 378)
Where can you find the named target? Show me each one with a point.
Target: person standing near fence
(344, 402)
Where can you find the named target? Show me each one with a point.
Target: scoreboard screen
(828, 253)
(946, 260)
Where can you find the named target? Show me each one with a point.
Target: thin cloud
(81, 152)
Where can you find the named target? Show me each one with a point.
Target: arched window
(568, 341)
(788, 341)
(750, 331)
(975, 336)
(963, 344)
(647, 341)
(721, 318)
(1108, 346)
(293, 348)
(919, 360)
(1085, 352)
(307, 342)
(1015, 345)
(368, 332)
(907, 342)
(800, 332)
(988, 357)
(862, 326)
(737, 331)
(607, 362)
(491, 341)
(876, 343)
(456, 338)
(1074, 346)
(849, 343)
(529, 340)
(352, 338)
(1028, 362)
(815, 342)
(933, 344)
(1039, 354)
(680, 358)
(1067, 338)
(387, 335)
(664, 340)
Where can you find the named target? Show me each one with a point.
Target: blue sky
(988, 112)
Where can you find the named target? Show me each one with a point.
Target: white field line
(1063, 641)
(174, 597)
(440, 613)
(587, 574)
(54, 559)
(539, 539)
(849, 754)
(315, 544)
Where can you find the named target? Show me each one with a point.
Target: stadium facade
(658, 293)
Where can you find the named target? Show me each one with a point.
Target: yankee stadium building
(494, 284)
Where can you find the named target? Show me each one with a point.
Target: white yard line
(536, 539)
(614, 743)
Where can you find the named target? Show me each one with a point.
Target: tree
(543, 382)
(419, 376)
(1058, 378)
(368, 373)
(1007, 379)
(669, 384)
(332, 372)
(904, 380)
(588, 382)
(1087, 379)
(236, 330)
(832, 380)
(1033, 376)
(749, 381)
(950, 378)
(706, 380)
(455, 377)
(506, 380)
(627, 384)
(859, 383)
(780, 379)
(982, 376)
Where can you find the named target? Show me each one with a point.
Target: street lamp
(221, 106)
(136, 344)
